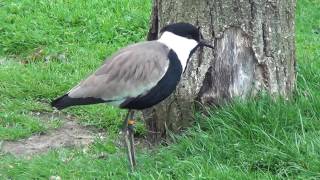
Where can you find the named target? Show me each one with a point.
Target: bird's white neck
(180, 45)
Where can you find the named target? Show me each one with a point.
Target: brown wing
(130, 72)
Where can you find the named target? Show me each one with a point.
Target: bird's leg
(125, 123)
(131, 123)
(128, 134)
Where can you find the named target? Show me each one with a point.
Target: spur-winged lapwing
(138, 76)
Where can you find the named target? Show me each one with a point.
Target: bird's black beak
(205, 43)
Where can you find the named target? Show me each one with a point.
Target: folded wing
(131, 72)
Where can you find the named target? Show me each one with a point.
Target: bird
(138, 76)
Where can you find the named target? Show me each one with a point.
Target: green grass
(254, 139)
(74, 38)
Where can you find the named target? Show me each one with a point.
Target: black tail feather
(66, 101)
(61, 102)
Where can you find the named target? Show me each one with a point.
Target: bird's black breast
(162, 89)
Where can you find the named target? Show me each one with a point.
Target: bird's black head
(186, 30)
(183, 29)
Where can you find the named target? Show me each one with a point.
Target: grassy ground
(244, 140)
(73, 38)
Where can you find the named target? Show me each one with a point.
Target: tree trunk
(254, 51)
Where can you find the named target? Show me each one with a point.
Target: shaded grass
(280, 137)
(259, 138)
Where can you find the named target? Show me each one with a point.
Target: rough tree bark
(254, 51)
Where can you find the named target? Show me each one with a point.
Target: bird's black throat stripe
(162, 89)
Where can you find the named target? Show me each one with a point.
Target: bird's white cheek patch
(180, 45)
(185, 50)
